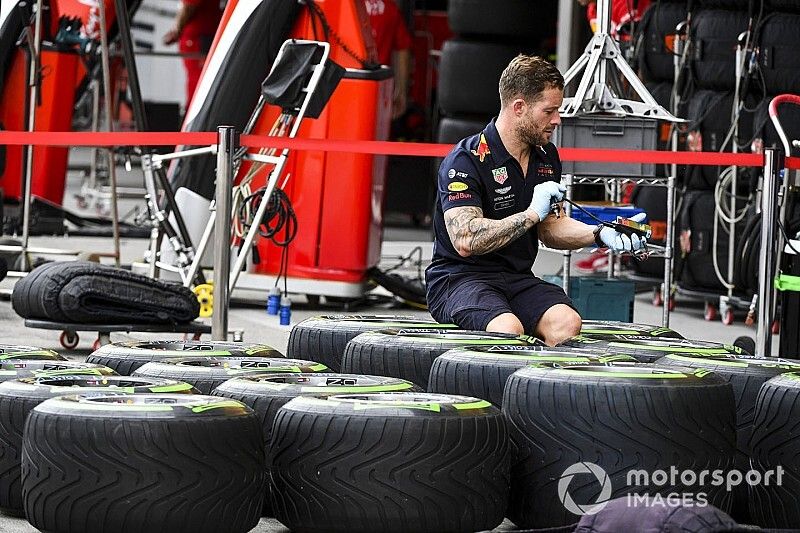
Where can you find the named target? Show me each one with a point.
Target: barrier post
(769, 198)
(33, 95)
(227, 142)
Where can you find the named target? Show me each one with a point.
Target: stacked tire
(608, 422)
(19, 397)
(396, 462)
(488, 36)
(746, 377)
(157, 462)
(648, 349)
(323, 338)
(482, 371)
(409, 353)
(207, 373)
(773, 449)
(125, 357)
(266, 394)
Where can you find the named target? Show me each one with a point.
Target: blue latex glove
(619, 242)
(545, 195)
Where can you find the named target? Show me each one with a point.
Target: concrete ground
(257, 326)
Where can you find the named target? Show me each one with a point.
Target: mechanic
(193, 29)
(490, 216)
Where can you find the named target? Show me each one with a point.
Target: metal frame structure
(229, 158)
(594, 95)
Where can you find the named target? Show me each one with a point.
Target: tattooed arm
(471, 234)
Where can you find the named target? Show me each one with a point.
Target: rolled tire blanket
(81, 292)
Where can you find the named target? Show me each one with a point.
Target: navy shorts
(472, 300)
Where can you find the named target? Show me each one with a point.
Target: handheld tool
(623, 225)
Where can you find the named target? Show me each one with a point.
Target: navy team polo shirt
(480, 172)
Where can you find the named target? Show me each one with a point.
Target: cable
(317, 12)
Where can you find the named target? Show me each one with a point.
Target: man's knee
(558, 323)
(506, 323)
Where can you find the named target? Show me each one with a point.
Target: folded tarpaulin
(84, 292)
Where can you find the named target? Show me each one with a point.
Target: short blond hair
(527, 77)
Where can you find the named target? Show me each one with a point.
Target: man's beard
(528, 133)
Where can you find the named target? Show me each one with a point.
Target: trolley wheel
(776, 327)
(196, 336)
(69, 339)
(101, 340)
(710, 313)
(672, 303)
(727, 317)
(658, 301)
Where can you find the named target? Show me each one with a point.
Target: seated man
(495, 194)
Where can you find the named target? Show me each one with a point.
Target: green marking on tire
(217, 405)
(671, 349)
(659, 331)
(721, 362)
(259, 348)
(480, 404)
(401, 405)
(791, 375)
(18, 355)
(319, 367)
(177, 387)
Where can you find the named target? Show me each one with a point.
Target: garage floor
(257, 326)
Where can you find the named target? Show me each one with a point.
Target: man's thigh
(473, 300)
(530, 297)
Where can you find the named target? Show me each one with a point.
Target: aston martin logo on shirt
(483, 149)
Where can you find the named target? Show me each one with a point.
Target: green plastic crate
(600, 298)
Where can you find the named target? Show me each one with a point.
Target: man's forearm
(472, 234)
(566, 233)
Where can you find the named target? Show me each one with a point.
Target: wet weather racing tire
(207, 373)
(19, 397)
(11, 352)
(396, 462)
(608, 421)
(746, 376)
(597, 329)
(409, 354)
(174, 463)
(323, 338)
(266, 394)
(504, 19)
(43, 368)
(125, 357)
(646, 349)
(482, 371)
(774, 444)
(468, 76)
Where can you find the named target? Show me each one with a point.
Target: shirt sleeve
(458, 183)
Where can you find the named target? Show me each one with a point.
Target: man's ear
(519, 105)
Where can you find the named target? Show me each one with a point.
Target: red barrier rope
(370, 147)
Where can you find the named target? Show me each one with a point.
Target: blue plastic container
(604, 212)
